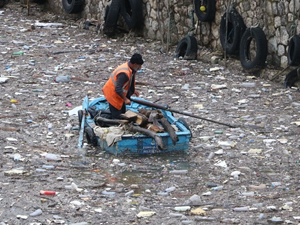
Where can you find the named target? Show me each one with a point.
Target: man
(121, 86)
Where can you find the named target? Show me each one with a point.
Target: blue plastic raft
(139, 143)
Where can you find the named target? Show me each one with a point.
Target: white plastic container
(62, 79)
(218, 188)
(211, 155)
(241, 209)
(250, 193)
(170, 189)
(109, 193)
(179, 171)
(17, 157)
(248, 84)
(52, 157)
(162, 193)
(36, 212)
(48, 167)
(129, 193)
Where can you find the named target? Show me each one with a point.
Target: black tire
(111, 17)
(294, 51)
(291, 78)
(2, 3)
(258, 61)
(90, 136)
(210, 10)
(132, 13)
(73, 6)
(187, 48)
(80, 116)
(106, 12)
(235, 29)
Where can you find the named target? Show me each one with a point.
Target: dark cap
(136, 59)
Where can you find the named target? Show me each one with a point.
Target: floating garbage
(36, 213)
(145, 214)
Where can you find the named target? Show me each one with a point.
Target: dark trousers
(115, 113)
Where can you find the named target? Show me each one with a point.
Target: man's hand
(137, 93)
(127, 101)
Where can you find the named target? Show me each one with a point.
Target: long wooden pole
(165, 107)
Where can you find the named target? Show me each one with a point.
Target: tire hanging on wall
(132, 13)
(235, 29)
(73, 6)
(187, 48)
(294, 51)
(253, 64)
(2, 3)
(291, 78)
(205, 10)
(111, 17)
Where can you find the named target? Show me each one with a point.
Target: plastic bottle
(37, 90)
(275, 184)
(182, 208)
(241, 209)
(40, 170)
(80, 223)
(47, 193)
(170, 189)
(52, 157)
(69, 187)
(253, 96)
(36, 212)
(176, 215)
(211, 155)
(218, 188)
(61, 79)
(48, 167)
(251, 193)
(49, 126)
(246, 84)
(17, 157)
(179, 171)
(162, 193)
(18, 53)
(68, 127)
(129, 193)
(109, 193)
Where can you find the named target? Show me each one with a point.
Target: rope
(279, 73)
(293, 28)
(226, 32)
(192, 19)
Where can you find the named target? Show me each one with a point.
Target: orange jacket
(109, 88)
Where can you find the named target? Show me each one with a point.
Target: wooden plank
(140, 119)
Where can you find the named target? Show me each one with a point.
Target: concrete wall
(279, 19)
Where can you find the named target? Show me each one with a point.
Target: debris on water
(228, 175)
(178, 171)
(182, 208)
(198, 211)
(145, 214)
(36, 212)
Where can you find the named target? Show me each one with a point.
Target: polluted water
(246, 173)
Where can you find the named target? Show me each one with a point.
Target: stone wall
(173, 19)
